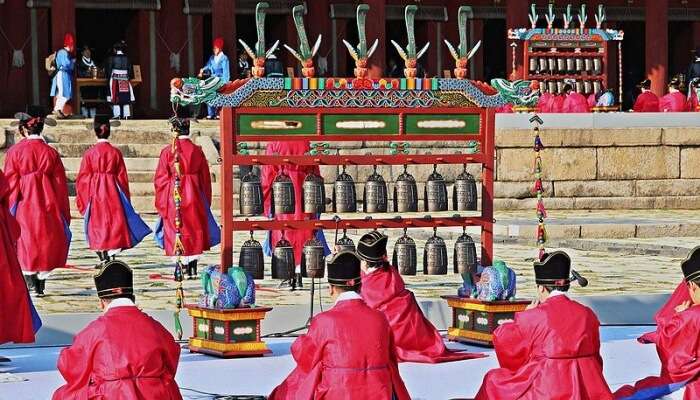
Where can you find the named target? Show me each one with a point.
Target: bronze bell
(251, 198)
(345, 243)
(375, 196)
(435, 256)
(313, 262)
(464, 192)
(464, 256)
(283, 194)
(251, 258)
(405, 256)
(435, 193)
(405, 192)
(283, 260)
(344, 197)
(314, 194)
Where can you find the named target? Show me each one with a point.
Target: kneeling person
(348, 351)
(552, 349)
(124, 354)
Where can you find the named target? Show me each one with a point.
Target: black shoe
(4, 359)
(193, 269)
(299, 282)
(29, 281)
(39, 286)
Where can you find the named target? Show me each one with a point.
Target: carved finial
(550, 17)
(568, 17)
(462, 54)
(361, 54)
(582, 17)
(600, 16)
(305, 54)
(533, 16)
(410, 54)
(260, 54)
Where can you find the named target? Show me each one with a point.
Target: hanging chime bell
(251, 198)
(435, 256)
(464, 256)
(344, 196)
(435, 193)
(405, 256)
(283, 194)
(464, 192)
(345, 243)
(375, 196)
(251, 258)
(314, 194)
(405, 192)
(283, 260)
(313, 262)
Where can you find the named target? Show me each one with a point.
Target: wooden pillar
(62, 21)
(376, 29)
(516, 17)
(656, 34)
(223, 24)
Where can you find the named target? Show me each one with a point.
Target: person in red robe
(552, 349)
(556, 103)
(102, 189)
(347, 353)
(544, 103)
(677, 340)
(574, 102)
(297, 173)
(693, 102)
(38, 199)
(199, 231)
(674, 101)
(647, 101)
(383, 289)
(19, 320)
(123, 354)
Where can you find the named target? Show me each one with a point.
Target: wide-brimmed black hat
(691, 265)
(33, 114)
(555, 270)
(103, 119)
(115, 279)
(645, 84)
(181, 120)
(372, 246)
(344, 269)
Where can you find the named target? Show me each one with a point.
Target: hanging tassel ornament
(178, 248)
(538, 188)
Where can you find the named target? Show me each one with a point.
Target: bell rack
(453, 110)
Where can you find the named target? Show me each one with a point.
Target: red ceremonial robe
(103, 198)
(415, 338)
(122, 355)
(199, 231)
(693, 101)
(544, 103)
(575, 103)
(297, 237)
(556, 104)
(673, 102)
(549, 352)
(39, 200)
(347, 354)
(15, 310)
(646, 102)
(677, 341)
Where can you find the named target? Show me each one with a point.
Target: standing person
(102, 189)
(647, 101)
(124, 353)
(347, 353)
(38, 198)
(383, 289)
(62, 82)
(198, 229)
(574, 102)
(694, 67)
(677, 340)
(243, 65)
(85, 67)
(119, 71)
(274, 67)
(552, 349)
(675, 100)
(217, 65)
(545, 100)
(19, 320)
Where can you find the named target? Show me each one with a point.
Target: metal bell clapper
(464, 196)
(283, 260)
(375, 196)
(251, 258)
(344, 196)
(251, 197)
(405, 192)
(435, 193)
(405, 256)
(464, 256)
(345, 243)
(283, 194)
(313, 262)
(435, 256)
(314, 194)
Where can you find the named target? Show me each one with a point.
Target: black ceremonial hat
(372, 246)
(646, 84)
(181, 120)
(31, 112)
(103, 119)
(554, 270)
(691, 265)
(115, 279)
(344, 269)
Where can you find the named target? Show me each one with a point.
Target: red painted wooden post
(489, 117)
(226, 175)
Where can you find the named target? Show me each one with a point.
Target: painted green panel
(379, 124)
(202, 325)
(243, 331)
(464, 319)
(481, 322)
(219, 332)
(501, 318)
(254, 124)
(463, 124)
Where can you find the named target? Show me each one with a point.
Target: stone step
(118, 137)
(132, 164)
(68, 150)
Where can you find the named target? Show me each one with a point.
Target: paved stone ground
(613, 266)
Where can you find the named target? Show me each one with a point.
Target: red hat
(68, 40)
(218, 43)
